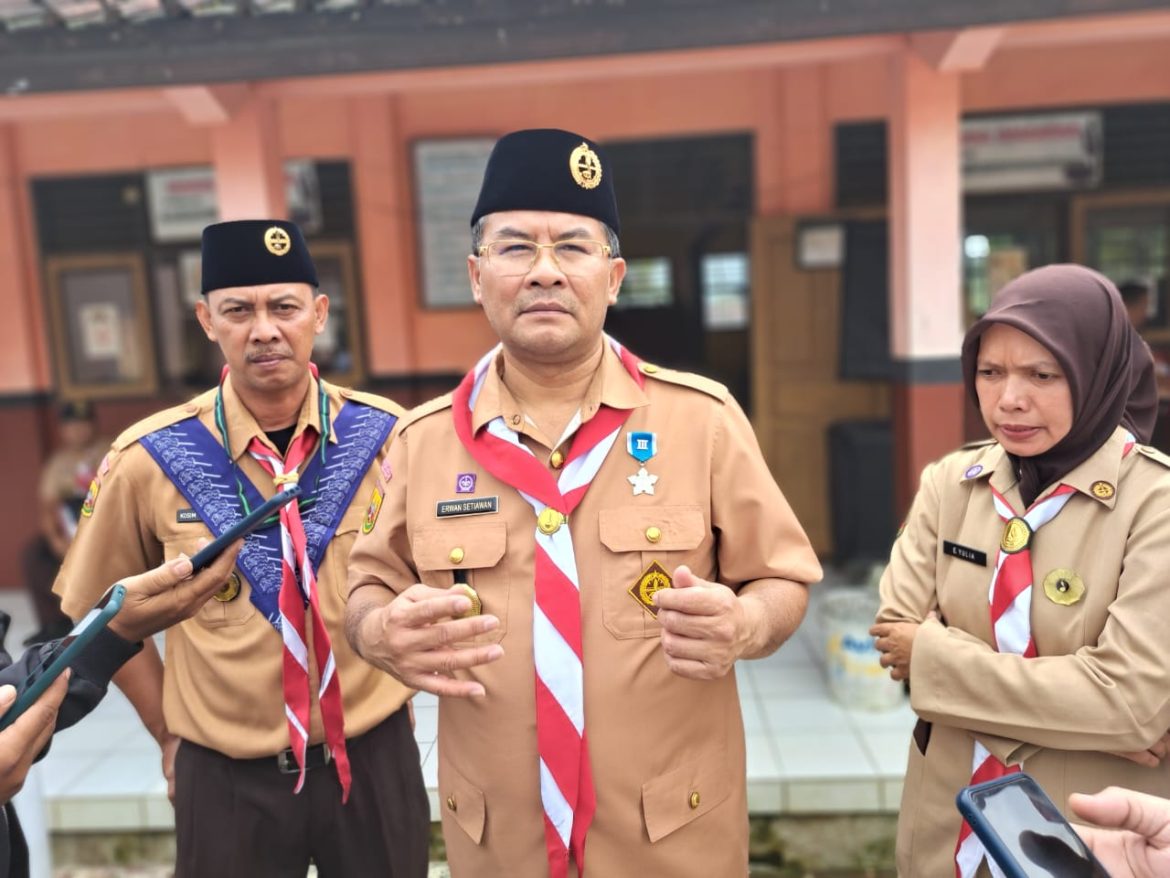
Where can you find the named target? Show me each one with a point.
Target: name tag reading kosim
(470, 506)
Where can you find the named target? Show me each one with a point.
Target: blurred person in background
(1025, 599)
(64, 483)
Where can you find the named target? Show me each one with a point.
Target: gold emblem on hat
(1102, 490)
(1016, 535)
(476, 604)
(230, 590)
(549, 521)
(585, 167)
(654, 579)
(1063, 586)
(277, 241)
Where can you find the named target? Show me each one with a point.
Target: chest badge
(465, 483)
(653, 579)
(230, 590)
(1063, 586)
(642, 446)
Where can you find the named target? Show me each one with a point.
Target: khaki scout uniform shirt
(1102, 679)
(654, 738)
(222, 683)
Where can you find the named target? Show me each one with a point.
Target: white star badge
(642, 481)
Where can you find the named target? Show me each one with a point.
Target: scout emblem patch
(585, 167)
(1063, 586)
(655, 578)
(465, 483)
(372, 511)
(91, 497)
(276, 241)
(642, 446)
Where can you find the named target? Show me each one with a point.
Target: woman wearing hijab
(1027, 598)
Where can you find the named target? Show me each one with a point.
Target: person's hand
(1150, 758)
(1132, 835)
(895, 641)
(414, 638)
(170, 747)
(168, 594)
(704, 626)
(23, 741)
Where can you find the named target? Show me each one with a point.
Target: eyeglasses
(514, 258)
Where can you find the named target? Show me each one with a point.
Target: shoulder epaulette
(686, 379)
(159, 420)
(1154, 454)
(430, 407)
(373, 400)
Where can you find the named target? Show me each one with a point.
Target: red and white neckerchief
(1010, 599)
(298, 587)
(566, 780)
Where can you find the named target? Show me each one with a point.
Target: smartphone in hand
(243, 527)
(1024, 832)
(66, 651)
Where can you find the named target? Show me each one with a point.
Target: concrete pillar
(925, 266)
(386, 235)
(249, 163)
(22, 332)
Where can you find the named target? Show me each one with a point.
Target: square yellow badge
(654, 578)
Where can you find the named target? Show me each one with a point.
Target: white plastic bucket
(856, 677)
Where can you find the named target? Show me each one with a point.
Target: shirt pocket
(214, 613)
(475, 553)
(634, 538)
(681, 795)
(341, 545)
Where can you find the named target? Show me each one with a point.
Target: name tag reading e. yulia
(974, 556)
(470, 506)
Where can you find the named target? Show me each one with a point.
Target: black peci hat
(548, 169)
(249, 253)
(75, 410)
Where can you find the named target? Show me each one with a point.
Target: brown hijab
(1078, 315)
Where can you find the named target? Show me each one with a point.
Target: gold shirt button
(557, 460)
(456, 555)
(648, 368)
(694, 800)
(452, 805)
(653, 534)
(515, 420)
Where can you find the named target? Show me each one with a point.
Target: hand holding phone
(244, 526)
(1024, 832)
(66, 650)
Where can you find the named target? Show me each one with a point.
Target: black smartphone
(243, 527)
(64, 653)
(1024, 832)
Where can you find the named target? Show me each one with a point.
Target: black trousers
(238, 818)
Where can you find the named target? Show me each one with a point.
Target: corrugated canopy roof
(62, 45)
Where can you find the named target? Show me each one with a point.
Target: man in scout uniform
(618, 540)
(289, 747)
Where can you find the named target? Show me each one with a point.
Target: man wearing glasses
(574, 549)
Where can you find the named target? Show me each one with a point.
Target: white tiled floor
(806, 753)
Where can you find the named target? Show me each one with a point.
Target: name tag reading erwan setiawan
(470, 506)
